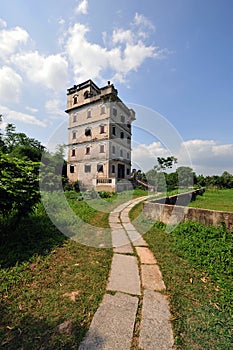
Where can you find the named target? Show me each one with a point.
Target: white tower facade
(99, 146)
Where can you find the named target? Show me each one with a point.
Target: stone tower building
(99, 154)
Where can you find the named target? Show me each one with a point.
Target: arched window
(102, 130)
(87, 132)
(73, 152)
(100, 168)
(89, 113)
(74, 118)
(122, 135)
(86, 94)
(75, 99)
(74, 135)
(88, 150)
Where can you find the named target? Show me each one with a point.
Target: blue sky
(171, 56)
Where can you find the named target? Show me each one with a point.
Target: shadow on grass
(32, 333)
(34, 235)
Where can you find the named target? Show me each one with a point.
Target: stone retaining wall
(173, 214)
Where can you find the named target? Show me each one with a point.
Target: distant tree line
(183, 177)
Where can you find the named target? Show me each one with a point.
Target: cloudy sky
(171, 59)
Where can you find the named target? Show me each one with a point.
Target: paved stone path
(134, 274)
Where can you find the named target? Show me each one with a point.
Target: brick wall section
(173, 214)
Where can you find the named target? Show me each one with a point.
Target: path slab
(136, 238)
(156, 330)
(125, 218)
(146, 256)
(119, 238)
(124, 249)
(115, 225)
(124, 275)
(140, 242)
(152, 278)
(129, 227)
(113, 324)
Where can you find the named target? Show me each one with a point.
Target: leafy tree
(19, 191)
(20, 145)
(53, 170)
(165, 163)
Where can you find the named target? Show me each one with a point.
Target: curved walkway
(134, 312)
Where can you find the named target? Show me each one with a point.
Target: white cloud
(122, 36)
(3, 23)
(139, 19)
(54, 107)
(10, 115)
(82, 7)
(50, 71)
(145, 156)
(31, 109)
(126, 54)
(207, 157)
(11, 40)
(10, 85)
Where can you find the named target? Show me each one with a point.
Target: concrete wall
(173, 214)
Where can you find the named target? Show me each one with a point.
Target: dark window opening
(73, 153)
(128, 139)
(114, 130)
(88, 132)
(122, 135)
(75, 99)
(74, 135)
(113, 169)
(88, 150)
(86, 94)
(89, 113)
(114, 111)
(128, 171)
(129, 126)
(87, 168)
(71, 169)
(102, 129)
(113, 149)
(100, 168)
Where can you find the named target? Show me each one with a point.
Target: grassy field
(196, 263)
(50, 286)
(215, 200)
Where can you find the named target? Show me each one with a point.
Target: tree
(21, 146)
(165, 163)
(186, 176)
(19, 190)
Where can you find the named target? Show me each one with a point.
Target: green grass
(196, 263)
(40, 268)
(215, 200)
